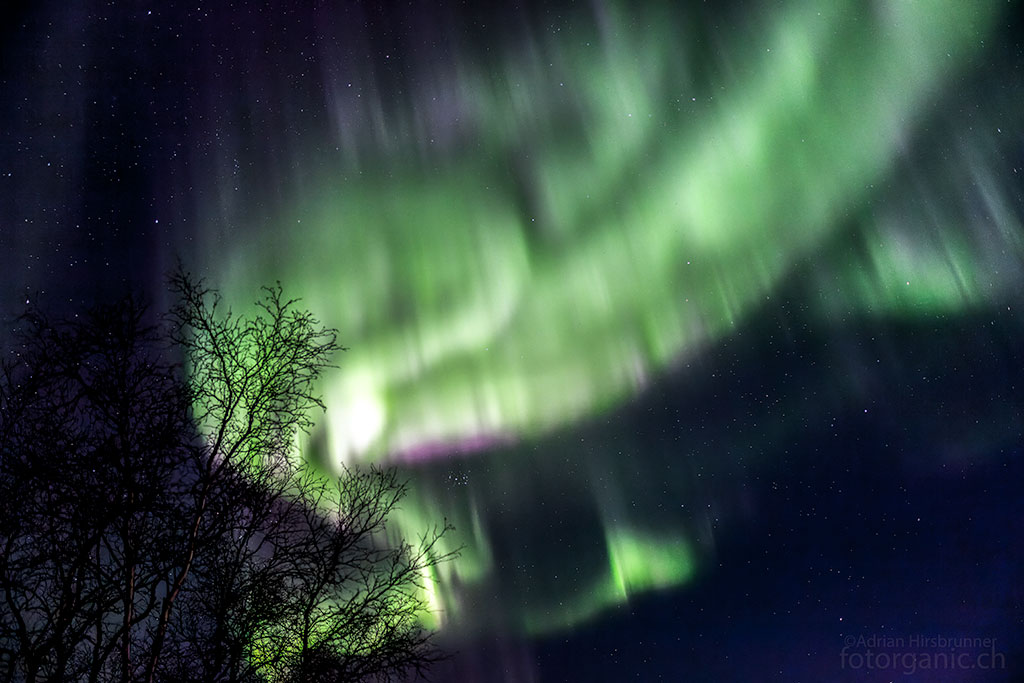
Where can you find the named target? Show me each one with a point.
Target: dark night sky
(717, 458)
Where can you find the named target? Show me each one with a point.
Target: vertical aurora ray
(603, 207)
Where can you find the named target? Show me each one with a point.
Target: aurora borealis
(611, 275)
(467, 316)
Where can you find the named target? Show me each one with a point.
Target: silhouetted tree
(94, 436)
(159, 528)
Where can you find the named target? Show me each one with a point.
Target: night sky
(702, 322)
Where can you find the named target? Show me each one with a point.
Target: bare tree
(304, 583)
(161, 528)
(93, 443)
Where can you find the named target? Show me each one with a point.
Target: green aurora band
(607, 208)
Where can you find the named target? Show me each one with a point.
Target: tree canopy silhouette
(156, 523)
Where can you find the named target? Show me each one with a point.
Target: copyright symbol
(849, 641)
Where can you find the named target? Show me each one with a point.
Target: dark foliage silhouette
(157, 525)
